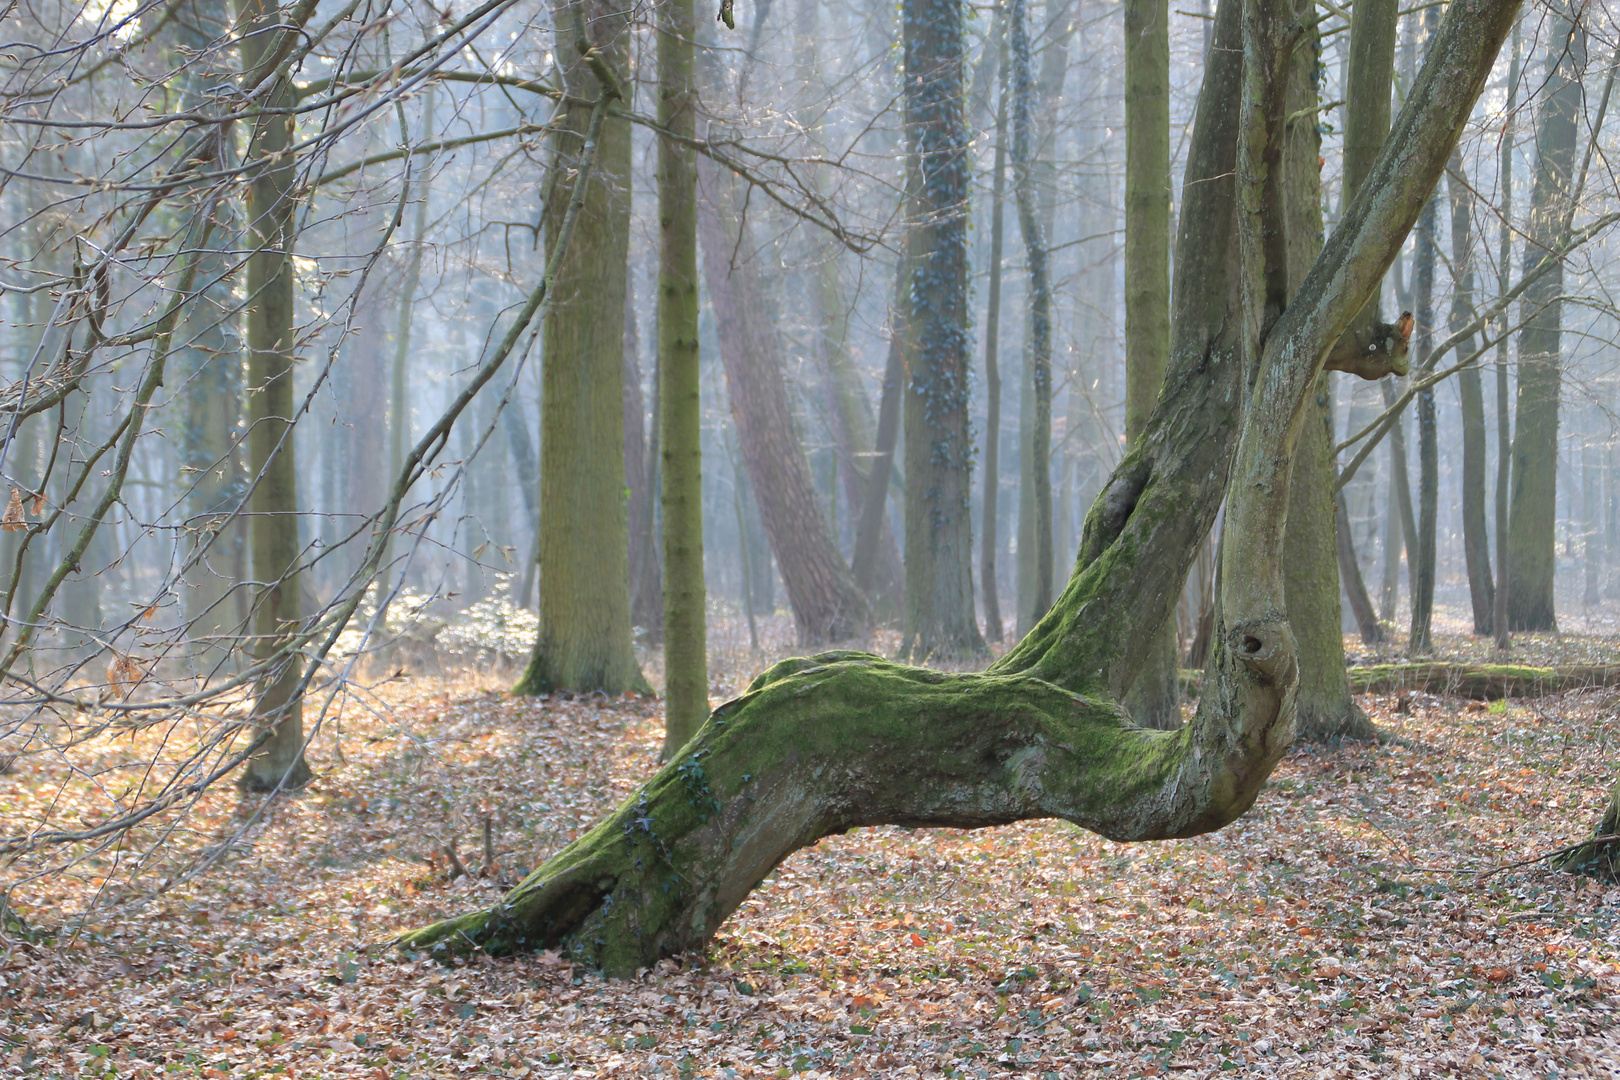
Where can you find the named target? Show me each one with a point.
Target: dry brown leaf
(37, 507)
(124, 674)
(13, 520)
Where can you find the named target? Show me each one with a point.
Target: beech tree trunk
(279, 763)
(1534, 514)
(1470, 391)
(820, 745)
(1601, 858)
(1421, 558)
(686, 666)
(940, 620)
(1155, 700)
(827, 604)
(992, 365)
(584, 643)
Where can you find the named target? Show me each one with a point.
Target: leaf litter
(1336, 930)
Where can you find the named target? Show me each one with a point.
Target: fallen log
(1483, 682)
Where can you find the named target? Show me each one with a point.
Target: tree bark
(827, 604)
(1601, 858)
(584, 642)
(1476, 545)
(1482, 682)
(1504, 437)
(1155, 699)
(279, 763)
(992, 363)
(686, 665)
(821, 745)
(1421, 559)
(940, 621)
(1534, 513)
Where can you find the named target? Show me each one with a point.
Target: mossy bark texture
(824, 744)
(1601, 858)
(584, 642)
(1482, 682)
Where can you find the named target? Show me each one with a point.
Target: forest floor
(1342, 928)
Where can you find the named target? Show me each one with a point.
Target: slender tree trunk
(872, 522)
(992, 359)
(1591, 500)
(686, 671)
(1370, 75)
(1155, 699)
(1504, 437)
(269, 325)
(1533, 517)
(940, 620)
(641, 485)
(827, 604)
(1035, 471)
(584, 642)
(1355, 588)
(1476, 545)
(1421, 569)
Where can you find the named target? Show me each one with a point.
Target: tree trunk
(827, 604)
(584, 642)
(1421, 559)
(279, 763)
(992, 362)
(1504, 437)
(1601, 858)
(641, 481)
(1355, 589)
(1155, 700)
(1323, 706)
(821, 745)
(1476, 545)
(686, 665)
(940, 621)
(872, 522)
(1534, 514)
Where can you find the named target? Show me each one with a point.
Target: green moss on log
(1484, 682)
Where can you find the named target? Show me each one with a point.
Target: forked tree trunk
(827, 605)
(821, 745)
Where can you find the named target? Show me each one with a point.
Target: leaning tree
(823, 744)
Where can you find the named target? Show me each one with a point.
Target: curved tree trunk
(821, 745)
(827, 604)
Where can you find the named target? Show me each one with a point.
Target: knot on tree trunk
(1265, 647)
(1374, 350)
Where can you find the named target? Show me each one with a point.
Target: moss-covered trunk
(1601, 857)
(824, 744)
